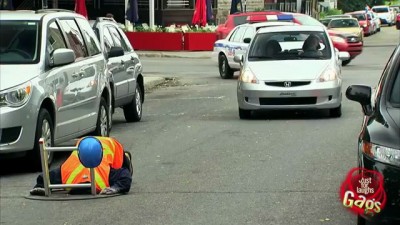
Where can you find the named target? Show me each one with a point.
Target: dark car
(379, 139)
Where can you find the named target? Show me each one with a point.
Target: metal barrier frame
(45, 168)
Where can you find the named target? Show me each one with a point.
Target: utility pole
(151, 13)
(44, 4)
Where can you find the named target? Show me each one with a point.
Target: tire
(224, 70)
(133, 111)
(379, 29)
(244, 114)
(346, 62)
(336, 112)
(45, 129)
(361, 220)
(103, 120)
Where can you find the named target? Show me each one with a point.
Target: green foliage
(330, 12)
(356, 5)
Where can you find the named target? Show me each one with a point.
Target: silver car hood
(288, 69)
(13, 75)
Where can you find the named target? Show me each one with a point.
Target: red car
(398, 22)
(346, 42)
(237, 19)
(342, 41)
(365, 23)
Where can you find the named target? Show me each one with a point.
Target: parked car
(124, 69)
(365, 23)
(386, 14)
(348, 25)
(378, 141)
(398, 21)
(237, 42)
(376, 20)
(267, 82)
(52, 81)
(337, 16)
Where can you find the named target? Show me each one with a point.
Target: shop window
(178, 4)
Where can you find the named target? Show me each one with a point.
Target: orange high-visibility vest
(73, 172)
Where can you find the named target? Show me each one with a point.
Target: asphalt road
(195, 162)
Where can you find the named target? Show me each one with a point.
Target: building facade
(174, 11)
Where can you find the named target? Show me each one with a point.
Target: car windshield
(325, 21)
(19, 42)
(290, 45)
(343, 23)
(359, 16)
(239, 20)
(395, 93)
(381, 10)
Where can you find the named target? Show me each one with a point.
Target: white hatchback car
(290, 67)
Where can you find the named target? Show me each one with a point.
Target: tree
(356, 5)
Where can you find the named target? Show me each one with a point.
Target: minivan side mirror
(62, 56)
(344, 56)
(361, 94)
(115, 52)
(238, 58)
(247, 40)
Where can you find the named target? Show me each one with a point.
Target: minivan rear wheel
(133, 111)
(44, 129)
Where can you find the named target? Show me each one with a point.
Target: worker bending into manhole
(112, 176)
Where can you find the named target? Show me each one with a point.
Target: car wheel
(336, 112)
(45, 129)
(361, 220)
(103, 123)
(379, 29)
(346, 62)
(225, 70)
(133, 111)
(244, 113)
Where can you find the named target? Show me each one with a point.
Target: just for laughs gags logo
(362, 192)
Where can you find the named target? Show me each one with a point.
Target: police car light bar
(266, 18)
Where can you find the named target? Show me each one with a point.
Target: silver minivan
(52, 81)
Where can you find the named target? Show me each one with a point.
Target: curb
(152, 82)
(186, 55)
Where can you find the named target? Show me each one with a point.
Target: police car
(239, 38)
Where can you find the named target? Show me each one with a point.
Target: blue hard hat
(90, 152)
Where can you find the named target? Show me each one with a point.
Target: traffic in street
(196, 162)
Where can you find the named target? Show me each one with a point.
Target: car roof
(29, 15)
(344, 18)
(256, 13)
(269, 23)
(381, 6)
(291, 28)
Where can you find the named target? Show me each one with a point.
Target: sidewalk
(178, 54)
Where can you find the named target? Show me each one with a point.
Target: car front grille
(288, 83)
(289, 101)
(9, 135)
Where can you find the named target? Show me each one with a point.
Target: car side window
(55, 39)
(233, 34)
(395, 93)
(239, 34)
(108, 40)
(117, 38)
(74, 38)
(89, 36)
(249, 33)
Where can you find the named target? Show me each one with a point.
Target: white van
(385, 14)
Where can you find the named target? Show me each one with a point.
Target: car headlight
(338, 39)
(247, 76)
(17, 96)
(328, 75)
(381, 153)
